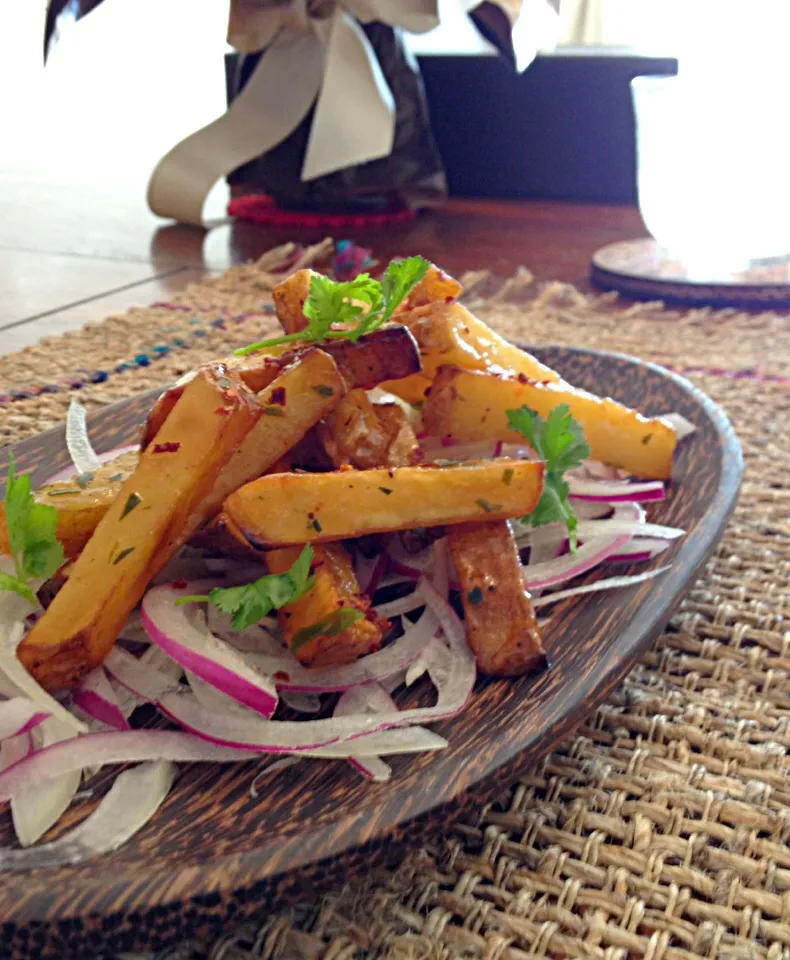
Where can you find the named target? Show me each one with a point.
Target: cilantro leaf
(361, 305)
(329, 626)
(251, 602)
(32, 536)
(560, 441)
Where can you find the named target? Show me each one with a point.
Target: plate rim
(635, 639)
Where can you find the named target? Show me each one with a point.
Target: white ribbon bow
(305, 58)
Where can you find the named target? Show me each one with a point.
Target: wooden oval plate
(214, 855)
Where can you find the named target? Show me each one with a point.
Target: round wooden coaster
(642, 270)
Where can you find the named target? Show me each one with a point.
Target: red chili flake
(170, 447)
(281, 675)
(278, 396)
(523, 378)
(449, 299)
(222, 411)
(179, 584)
(447, 441)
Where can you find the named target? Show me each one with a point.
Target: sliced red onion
(396, 608)
(610, 583)
(331, 738)
(15, 748)
(116, 746)
(19, 715)
(198, 650)
(289, 674)
(269, 768)
(682, 427)
(371, 699)
(640, 550)
(146, 682)
(133, 799)
(551, 572)
(14, 676)
(373, 578)
(615, 491)
(95, 696)
(34, 811)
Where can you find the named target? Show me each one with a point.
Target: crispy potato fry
(500, 621)
(222, 536)
(80, 506)
(336, 586)
(293, 508)
(470, 405)
(403, 449)
(434, 287)
(304, 392)
(352, 433)
(161, 504)
(448, 334)
(390, 352)
(289, 299)
(412, 389)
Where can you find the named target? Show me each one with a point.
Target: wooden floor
(79, 139)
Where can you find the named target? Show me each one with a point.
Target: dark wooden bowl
(213, 855)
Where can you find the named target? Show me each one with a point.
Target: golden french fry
(80, 506)
(336, 587)
(435, 287)
(285, 509)
(352, 433)
(470, 405)
(500, 621)
(289, 299)
(160, 505)
(403, 449)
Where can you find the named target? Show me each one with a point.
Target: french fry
(500, 621)
(80, 505)
(390, 352)
(336, 587)
(448, 334)
(436, 286)
(403, 449)
(305, 391)
(289, 299)
(469, 405)
(161, 504)
(412, 389)
(285, 509)
(352, 433)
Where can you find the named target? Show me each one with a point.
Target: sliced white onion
(682, 427)
(289, 674)
(19, 715)
(610, 583)
(116, 746)
(133, 799)
(33, 810)
(146, 682)
(639, 550)
(301, 702)
(81, 451)
(370, 699)
(95, 696)
(198, 650)
(15, 748)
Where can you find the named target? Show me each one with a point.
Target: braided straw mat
(660, 831)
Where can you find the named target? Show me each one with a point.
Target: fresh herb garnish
(361, 305)
(475, 596)
(273, 412)
(251, 602)
(386, 490)
(488, 507)
(132, 501)
(336, 622)
(32, 536)
(85, 480)
(507, 476)
(123, 554)
(559, 440)
(324, 390)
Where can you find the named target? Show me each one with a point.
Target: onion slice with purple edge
(95, 696)
(610, 583)
(191, 644)
(19, 715)
(115, 746)
(549, 573)
(615, 491)
(208, 713)
(133, 799)
(371, 699)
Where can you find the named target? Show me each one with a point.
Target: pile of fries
(256, 456)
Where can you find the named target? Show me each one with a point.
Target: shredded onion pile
(229, 696)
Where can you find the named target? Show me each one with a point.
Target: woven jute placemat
(661, 830)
